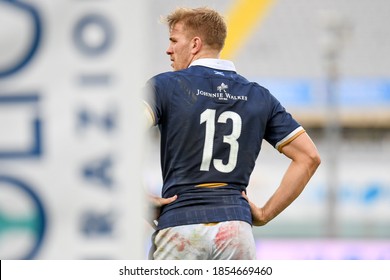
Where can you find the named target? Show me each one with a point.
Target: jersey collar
(214, 63)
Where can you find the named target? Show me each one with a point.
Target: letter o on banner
(93, 35)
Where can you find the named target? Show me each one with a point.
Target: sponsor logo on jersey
(222, 94)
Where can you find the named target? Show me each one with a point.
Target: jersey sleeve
(282, 128)
(154, 99)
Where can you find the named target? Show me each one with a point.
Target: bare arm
(304, 162)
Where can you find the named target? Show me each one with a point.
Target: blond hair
(204, 22)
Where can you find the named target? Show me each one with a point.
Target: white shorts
(232, 240)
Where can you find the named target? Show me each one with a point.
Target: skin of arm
(305, 160)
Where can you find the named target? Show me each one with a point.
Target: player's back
(212, 124)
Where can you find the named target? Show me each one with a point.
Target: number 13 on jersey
(209, 117)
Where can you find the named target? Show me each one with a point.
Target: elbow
(314, 160)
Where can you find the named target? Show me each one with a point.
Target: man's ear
(196, 45)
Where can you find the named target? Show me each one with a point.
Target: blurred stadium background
(70, 150)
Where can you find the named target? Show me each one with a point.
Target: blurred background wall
(69, 74)
(70, 131)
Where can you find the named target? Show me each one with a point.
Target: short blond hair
(204, 22)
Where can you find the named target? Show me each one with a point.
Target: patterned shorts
(232, 240)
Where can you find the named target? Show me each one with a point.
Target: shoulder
(259, 88)
(162, 77)
(166, 78)
(256, 89)
(264, 93)
(255, 85)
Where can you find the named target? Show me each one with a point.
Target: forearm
(291, 186)
(304, 162)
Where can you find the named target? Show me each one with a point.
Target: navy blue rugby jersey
(212, 122)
